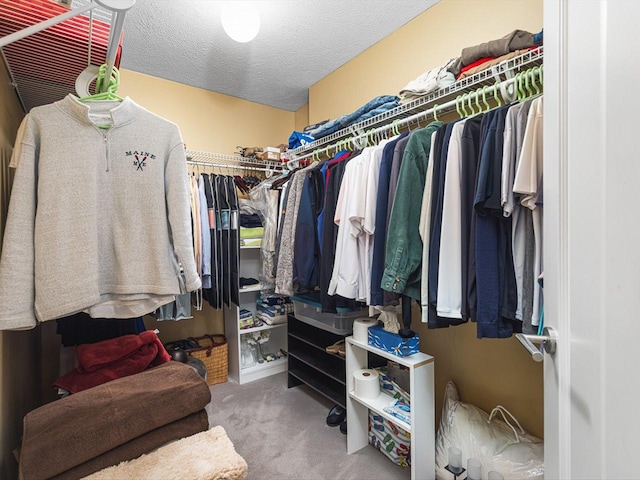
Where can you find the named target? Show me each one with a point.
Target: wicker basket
(213, 352)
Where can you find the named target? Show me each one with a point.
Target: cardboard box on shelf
(273, 156)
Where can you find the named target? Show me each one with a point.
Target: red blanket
(104, 361)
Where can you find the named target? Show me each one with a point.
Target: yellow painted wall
(301, 118)
(209, 122)
(427, 41)
(487, 372)
(20, 369)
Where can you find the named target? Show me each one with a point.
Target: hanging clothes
(54, 261)
(212, 294)
(380, 228)
(234, 240)
(205, 234)
(223, 232)
(404, 248)
(528, 183)
(335, 175)
(284, 267)
(449, 296)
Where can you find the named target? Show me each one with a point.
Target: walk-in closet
(370, 240)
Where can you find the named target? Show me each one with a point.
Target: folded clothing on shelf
(255, 232)
(250, 220)
(246, 281)
(272, 300)
(372, 108)
(251, 242)
(246, 319)
(275, 314)
(488, 62)
(515, 40)
(428, 82)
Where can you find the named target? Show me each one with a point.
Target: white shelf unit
(422, 427)
(250, 262)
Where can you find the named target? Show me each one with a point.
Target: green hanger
(462, 105)
(495, 94)
(526, 84)
(394, 127)
(477, 94)
(484, 98)
(516, 86)
(435, 112)
(470, 105)
(111, 89)
(458, 106)
(535, 71)
(523, 94)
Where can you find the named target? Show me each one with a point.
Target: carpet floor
(282, 434)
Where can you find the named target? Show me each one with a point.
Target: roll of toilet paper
(366, 383)
(361, 329)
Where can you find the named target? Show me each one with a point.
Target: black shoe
(336, 416)
(343, 426)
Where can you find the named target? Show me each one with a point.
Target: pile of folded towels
(112, 422)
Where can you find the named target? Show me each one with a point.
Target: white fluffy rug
(204, 456)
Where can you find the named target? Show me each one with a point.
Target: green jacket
(403, 252)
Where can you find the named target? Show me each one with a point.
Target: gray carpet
(282, 434)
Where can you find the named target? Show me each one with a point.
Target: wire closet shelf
(499, 73)
(235, 162)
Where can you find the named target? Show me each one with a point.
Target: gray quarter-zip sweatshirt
(99, 219)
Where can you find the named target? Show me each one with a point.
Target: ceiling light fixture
(240, 20)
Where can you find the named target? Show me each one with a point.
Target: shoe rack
(309, 362)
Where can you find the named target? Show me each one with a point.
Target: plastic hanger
(535, 71)
(394, 127)
(526, 84)
(462, 105)
(472, 111)
(458, 106)
(435, 112)
(520, 85)
(110, 90)
(495, 94)
(478, 92)
(484, 99)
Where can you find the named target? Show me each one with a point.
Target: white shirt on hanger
(425, 224)
(449, 304)
(528, 182)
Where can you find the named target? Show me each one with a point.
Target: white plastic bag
(500, 444)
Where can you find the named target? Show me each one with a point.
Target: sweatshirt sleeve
(17, 278)
(178, 211)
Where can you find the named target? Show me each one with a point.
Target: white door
(592, 238)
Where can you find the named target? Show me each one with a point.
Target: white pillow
(501, 446)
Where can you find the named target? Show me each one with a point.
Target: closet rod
(234, 167)
(404, 122)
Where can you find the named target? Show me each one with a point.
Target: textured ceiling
(299, 43)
